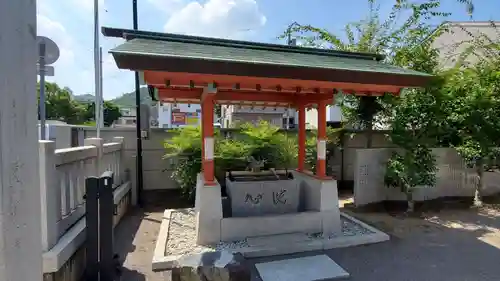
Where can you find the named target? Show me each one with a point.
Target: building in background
(128, 118)
(63, 134)
(169, 115)
(179, 115)
(333, 117)
(232, 115)
(459, 36)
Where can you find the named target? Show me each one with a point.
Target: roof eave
(138, 62)
(133, 34)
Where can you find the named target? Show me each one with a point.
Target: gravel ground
(182, 234)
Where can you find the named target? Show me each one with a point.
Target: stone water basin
(262, 193)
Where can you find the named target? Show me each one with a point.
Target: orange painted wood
(194, 94)
(243, 95)
(208, 172)
(229, 81)
(207, 119)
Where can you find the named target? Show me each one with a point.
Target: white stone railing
(112, 161)
(62, 182)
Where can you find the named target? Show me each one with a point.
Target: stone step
(278, 240)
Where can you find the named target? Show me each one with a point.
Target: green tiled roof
(253, 53)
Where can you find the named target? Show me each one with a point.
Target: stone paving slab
(311, 268)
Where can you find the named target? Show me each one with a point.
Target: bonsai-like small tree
(409, 170)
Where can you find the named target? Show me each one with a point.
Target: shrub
(185, 148)
(262, 141)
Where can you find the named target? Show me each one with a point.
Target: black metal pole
(92, 229)
(139, 179)
(108, 270)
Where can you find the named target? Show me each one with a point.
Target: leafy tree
(111, 112)
(418, 123)
(60, 105)
(469, 5)
(397, 36)
(473, 88)
(415, 129)
(476, 95)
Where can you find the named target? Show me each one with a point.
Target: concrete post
(50, 194)
(97, 142)
(119, 175)
(20, 230)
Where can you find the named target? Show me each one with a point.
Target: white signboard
(49, 70)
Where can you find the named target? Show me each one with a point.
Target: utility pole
(97, 72)
(43, 113)
(101, 91)
(289, 42)
(20, 205)
(138, 118)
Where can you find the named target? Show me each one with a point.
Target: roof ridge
(135, 34)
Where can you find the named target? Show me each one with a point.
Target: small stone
(211, 266)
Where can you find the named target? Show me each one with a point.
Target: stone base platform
(178, 228)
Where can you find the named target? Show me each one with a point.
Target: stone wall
(454, 179)
(156, 171)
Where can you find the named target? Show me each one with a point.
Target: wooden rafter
(226, 96)
(259, 84)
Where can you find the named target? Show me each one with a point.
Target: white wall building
(128, 118)
(333, 114)
(232, 115)
(64, 135)
(178, 115)
(457, 39)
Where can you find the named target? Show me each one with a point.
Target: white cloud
(43, 7)
(88, 5)
(168, 6)
(215, 18)
(56, 31)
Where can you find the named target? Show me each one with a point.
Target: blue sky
(70, 24)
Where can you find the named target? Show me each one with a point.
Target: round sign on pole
(51, 49)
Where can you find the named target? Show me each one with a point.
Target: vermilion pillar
(321, 141)
(207, 119)
(302, 136)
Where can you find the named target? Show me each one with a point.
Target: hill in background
(125, 100)
(84, 98)
(128, 99)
